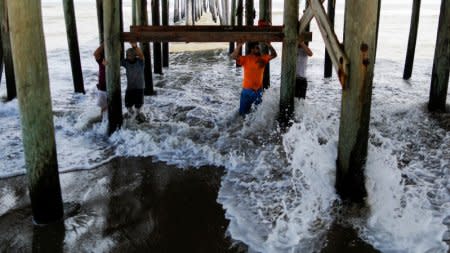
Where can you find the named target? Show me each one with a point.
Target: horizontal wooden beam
(206, 34)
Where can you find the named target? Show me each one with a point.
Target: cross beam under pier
(207, 34)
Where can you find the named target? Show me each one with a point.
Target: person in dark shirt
(134, 94)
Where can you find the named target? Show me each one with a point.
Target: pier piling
(11, 92)
(359, 43)
(288, 61)
(74, 51)
(142, 19)
(111, 20)
(165, 22)
(412, 40)
(31, 69)
(328, 64)
(441, 63)
(157, 52)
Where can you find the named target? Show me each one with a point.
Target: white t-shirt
(302, 60)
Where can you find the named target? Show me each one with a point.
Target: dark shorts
(248, 97)
(301, 84)
(134, 97)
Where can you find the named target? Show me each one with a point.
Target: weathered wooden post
(1, 56)
(72, 40)
(240, 18)
(359, 42)
(441, 63)
(157, 53)
(133, 12)
(265, 14)
(328, 64)
(212, 9)
(142, 15)
(412, 40)
(249, 17)
(100, 20)
(232, 22)
(183, 8)
(176, 11)
(288, 61)
(111, 20)
(122, 44)
(28, 48)
(377, 30)
(7, 55)
(165, 21)
(188, 10)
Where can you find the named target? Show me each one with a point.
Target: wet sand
(135, 205)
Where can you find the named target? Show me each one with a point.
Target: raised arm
(235, 54)
(272, 51)
(98, 52)
(306, 48)
(138, 50)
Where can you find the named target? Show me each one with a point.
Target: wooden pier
(353, 60)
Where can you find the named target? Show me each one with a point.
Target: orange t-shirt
(253, 70)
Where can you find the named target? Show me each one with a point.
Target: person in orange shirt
(253, 64)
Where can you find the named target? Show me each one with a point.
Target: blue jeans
(248, 97)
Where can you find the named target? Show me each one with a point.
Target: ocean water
(278, 192)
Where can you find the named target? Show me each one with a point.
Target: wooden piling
(1, 56)
(212, 9)
(28, 48)
(249, 17)
(265, 14)
(183, 8)
(157, 52)
(133, 12)
(111, 20)
(288, 61)
(99, 6)
(122, 45)
(412, 40)
(176, 11)
(11, 92)
(165, 21)
(142, 19)
(74, 51)
(240, 19)
(441, 63)
(359, 45)
(328, 70)
(232, 22)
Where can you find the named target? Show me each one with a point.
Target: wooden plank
(206, 34)
(412, 40)
(359, 42)
(306, 18)
(441, 63)
(30, 64)
(337, 55)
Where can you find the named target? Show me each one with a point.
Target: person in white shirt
(301, 83)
